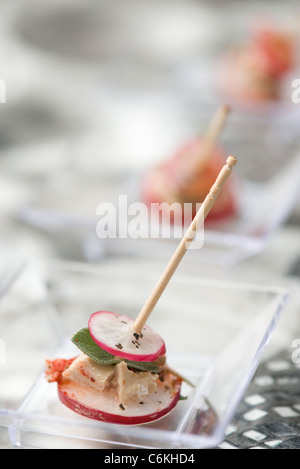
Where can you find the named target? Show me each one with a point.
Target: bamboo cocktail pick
(213, 132)
(184, 244)
(200, 157)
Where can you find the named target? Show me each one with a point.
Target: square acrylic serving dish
(215, 334)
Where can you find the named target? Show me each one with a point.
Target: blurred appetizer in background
(257, 69)
(187, 176)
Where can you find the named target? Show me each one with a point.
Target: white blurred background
(98, 91)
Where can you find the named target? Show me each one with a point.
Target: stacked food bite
(119, 376)
(256, 70)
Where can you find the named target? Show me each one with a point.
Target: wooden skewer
(217, 123)
(199, 157)
(184, 244)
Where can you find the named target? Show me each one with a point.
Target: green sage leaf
(83, 340)
(143, 366)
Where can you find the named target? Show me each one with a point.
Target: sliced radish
(106, 407)
(114, 333)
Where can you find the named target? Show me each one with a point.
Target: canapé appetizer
(119, 387)
(255, 71)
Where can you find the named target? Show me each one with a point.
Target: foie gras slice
(133, 385)
(84, 370)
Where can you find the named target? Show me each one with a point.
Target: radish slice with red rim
(115, 334)
(106, 407)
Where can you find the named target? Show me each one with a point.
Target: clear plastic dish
(215, 333)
